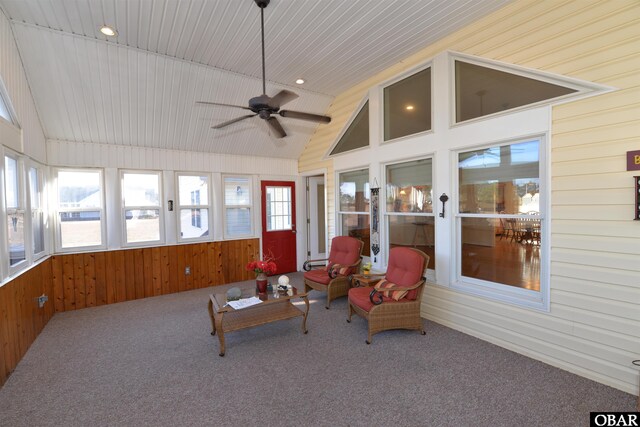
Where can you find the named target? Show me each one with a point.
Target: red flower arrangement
(267, 266)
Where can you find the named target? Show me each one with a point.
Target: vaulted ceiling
(141, 87)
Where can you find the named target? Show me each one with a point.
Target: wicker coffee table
(225, 318)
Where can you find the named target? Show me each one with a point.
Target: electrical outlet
(42, 299)
(187, 271)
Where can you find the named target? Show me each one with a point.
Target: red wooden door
(279, 224)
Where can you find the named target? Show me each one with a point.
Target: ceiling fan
(265, 106)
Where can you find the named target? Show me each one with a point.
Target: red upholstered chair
(333, 278)
(396, 304)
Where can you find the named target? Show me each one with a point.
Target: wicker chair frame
(394, 315)
(339, 285)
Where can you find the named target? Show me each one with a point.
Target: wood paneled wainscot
(99, 278)
(21, 320)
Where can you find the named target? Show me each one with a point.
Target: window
(142, 207)
(5, 106)
(80, 209)
(353, 213)
(357, 134)
(237, 206)
(14, 198)
(481, 91)
(409, 206)
(193, 207)
(37, 214)
(407, 106)
(500, 218)
(278, 206)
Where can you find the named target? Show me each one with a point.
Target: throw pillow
(385, 284)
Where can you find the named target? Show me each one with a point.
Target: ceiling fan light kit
(265, 106)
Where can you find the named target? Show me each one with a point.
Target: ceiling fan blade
(282, 98)
(275, 126)
(305, 116)
(237, 119)
(222, 105)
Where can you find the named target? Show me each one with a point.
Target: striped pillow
(343, 271)
(384, 284)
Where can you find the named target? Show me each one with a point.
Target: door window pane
(278, 205)
(407, 106)
(481, 91)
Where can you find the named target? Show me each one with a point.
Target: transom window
(481, 91)
(407, 106)
(357, 134)
(353, 214)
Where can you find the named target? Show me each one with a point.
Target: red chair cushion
(318, 276)
(360, 297)
(405, 268)
(345, 250)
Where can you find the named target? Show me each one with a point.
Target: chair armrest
(308, 264)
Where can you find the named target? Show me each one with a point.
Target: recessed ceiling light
(108, 31)
(409, 107)
(300, 81)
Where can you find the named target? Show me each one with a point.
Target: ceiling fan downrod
(262, 4)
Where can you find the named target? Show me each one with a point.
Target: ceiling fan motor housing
(262, 3)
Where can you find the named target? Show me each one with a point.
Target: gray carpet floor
(154, 362)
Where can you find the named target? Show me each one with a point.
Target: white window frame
(178, 207)
(159, 207)
(22, 206)
(383, 212)
(225, 206)
(42, 179)
(339, 213)
(380, 89)
(103, 219)
(524, 297)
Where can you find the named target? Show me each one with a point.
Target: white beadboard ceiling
(140, 88)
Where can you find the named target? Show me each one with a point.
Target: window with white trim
(194, 206)
(407, 106)
(80, 209)
(237, 206)
(36, 185)
(15, 203)
(353, 206)
(142, 207)
(410, 220)
(500, 217)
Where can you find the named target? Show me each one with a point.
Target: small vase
(261, 282)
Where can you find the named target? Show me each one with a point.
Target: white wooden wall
(15, 81)
(593, 327)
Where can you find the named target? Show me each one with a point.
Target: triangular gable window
(481, 91)
(356, 135)
(6, 110)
